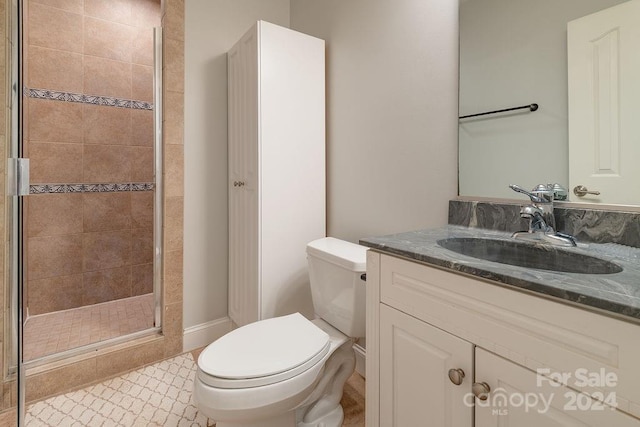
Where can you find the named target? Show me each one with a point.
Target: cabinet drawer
(530, 330)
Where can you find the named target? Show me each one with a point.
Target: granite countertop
(617, 294)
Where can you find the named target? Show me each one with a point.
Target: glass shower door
(84, 248)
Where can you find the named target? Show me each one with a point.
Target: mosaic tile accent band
(87, 99)
(90, 188)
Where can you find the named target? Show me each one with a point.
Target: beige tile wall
(62, 376)
(173, 123)
(89, 248)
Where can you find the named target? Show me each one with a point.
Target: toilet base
(311, 399)
(286, 419)
(331, 419)
(324, 409)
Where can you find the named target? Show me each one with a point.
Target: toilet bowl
(288, 370)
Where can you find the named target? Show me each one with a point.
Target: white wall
(392, 107)
(211, 28)
(392, 81)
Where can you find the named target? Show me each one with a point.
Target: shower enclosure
(88, 123)
(85, 244)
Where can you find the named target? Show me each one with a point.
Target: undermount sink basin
(543, 257)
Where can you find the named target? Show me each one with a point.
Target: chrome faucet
(542, 223)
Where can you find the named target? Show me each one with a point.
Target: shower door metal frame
(17, 259)
(158, 158)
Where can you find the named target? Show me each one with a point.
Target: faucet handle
(559, 192)
(535, 198)
(544, 191)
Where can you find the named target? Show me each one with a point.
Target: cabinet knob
(456, 376)
(481, 390)
(238, 183)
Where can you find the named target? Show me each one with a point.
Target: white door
(415, 389)
(518, 398)
(604, 90)
(243, 180)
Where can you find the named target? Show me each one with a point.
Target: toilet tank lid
(345, 254)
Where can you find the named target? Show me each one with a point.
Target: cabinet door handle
(238, 183)
(456, 376)
(481, 390)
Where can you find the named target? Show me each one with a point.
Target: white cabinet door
(519, 398)
(415, 359)
(243, 180)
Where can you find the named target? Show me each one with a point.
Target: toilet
(288, 370)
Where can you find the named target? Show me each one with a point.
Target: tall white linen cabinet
(276, 137)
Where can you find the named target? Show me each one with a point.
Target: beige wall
(212, 28)
(392, 81)
(391, 120)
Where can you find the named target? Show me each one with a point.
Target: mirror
(514, 53)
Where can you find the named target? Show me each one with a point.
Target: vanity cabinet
(423, 322)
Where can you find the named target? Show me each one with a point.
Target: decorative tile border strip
(87, 99)
(90, 188)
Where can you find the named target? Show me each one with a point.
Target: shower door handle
(18, 176)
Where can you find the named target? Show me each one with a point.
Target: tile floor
(156, 395)
(50, 333)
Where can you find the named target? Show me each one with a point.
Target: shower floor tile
(50, 333)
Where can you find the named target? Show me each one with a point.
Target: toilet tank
(337, 290)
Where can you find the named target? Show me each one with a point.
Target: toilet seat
(263, 352)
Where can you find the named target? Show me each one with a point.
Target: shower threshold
(60, 331)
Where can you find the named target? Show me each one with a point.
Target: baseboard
(361, 359)
(205, 333)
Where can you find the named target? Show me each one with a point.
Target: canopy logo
(501, 400)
